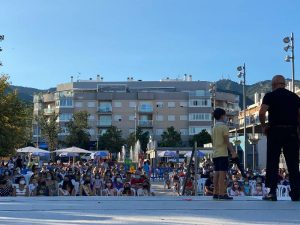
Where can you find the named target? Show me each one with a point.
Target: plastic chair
(282, 191)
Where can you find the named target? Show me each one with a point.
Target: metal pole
(37, 136)
(293, 62)
(188, 173)
(253, 148)
(135, 117)
(244, 106)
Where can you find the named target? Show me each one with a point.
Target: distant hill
(230, 86)
(26, 93)
(225, 85)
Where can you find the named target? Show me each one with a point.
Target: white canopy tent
(72, 150)
(31, 149)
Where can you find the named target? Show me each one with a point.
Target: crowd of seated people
(81, 179)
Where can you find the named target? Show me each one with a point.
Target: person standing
(283, 107)
(221, 145)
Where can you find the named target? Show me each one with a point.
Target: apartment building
(151, 105)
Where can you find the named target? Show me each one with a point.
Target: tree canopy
(49, 129)
(201, 138)
(171, 138)
(14, 117)
(78, 134)
(139, 134)
(111, 140)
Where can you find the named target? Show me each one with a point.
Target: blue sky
(48, 41)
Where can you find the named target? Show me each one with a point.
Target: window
(78, 104)
(105, 121)
(105, 107)
(183, 117)
(64, 102)
(117, 104)
(200, 103)
(196, 130)
(91, 131)
(171, 104)
(159, 104)
(159, 117)
(159, 131)
(199, 116)
(91, 104)
(145, 107)
(183, 104)
(131, 117)
(91, 117)
(171, 118)
(65, 117)
(118, 118)
(132, 104)
(184, 131)
(63, 131)
(102, 131)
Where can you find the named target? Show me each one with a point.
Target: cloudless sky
(48, 41)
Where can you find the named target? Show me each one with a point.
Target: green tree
(49, 129)
(201, 138)
(111, 140)
(171, 138)
(77, 128)
(13, 119)
(142, 136)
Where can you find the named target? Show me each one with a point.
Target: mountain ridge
(223, 85)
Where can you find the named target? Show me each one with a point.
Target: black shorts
(221, 164)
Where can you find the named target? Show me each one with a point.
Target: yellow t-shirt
(219, 145)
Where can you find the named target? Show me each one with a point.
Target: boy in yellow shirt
(221, 145)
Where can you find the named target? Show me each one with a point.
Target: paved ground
(145, 210)
(160, 209)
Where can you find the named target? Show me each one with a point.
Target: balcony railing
(104, 109)
(145, 123)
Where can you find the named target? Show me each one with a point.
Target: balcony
(145, 123)
(48, 111)
(105, 110)
(146, 109)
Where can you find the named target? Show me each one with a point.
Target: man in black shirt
(283, 107)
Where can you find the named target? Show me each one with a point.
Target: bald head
(278, 81)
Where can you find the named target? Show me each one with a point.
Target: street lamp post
(213, 90)
(290, 45)
(1, 39)
(253, 140)
(242, 74)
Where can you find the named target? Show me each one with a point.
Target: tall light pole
(213, 91)
(242, 75)
(1, 39)
(290, 45)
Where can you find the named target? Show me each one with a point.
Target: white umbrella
(72, 150)
(31, 149)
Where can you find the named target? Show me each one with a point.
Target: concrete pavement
(146, 210)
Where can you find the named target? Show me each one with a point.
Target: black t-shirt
(283, 107)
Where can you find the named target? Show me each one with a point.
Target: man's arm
(262, 114)
(299, 117)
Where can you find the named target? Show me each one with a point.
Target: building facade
(152, 105)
